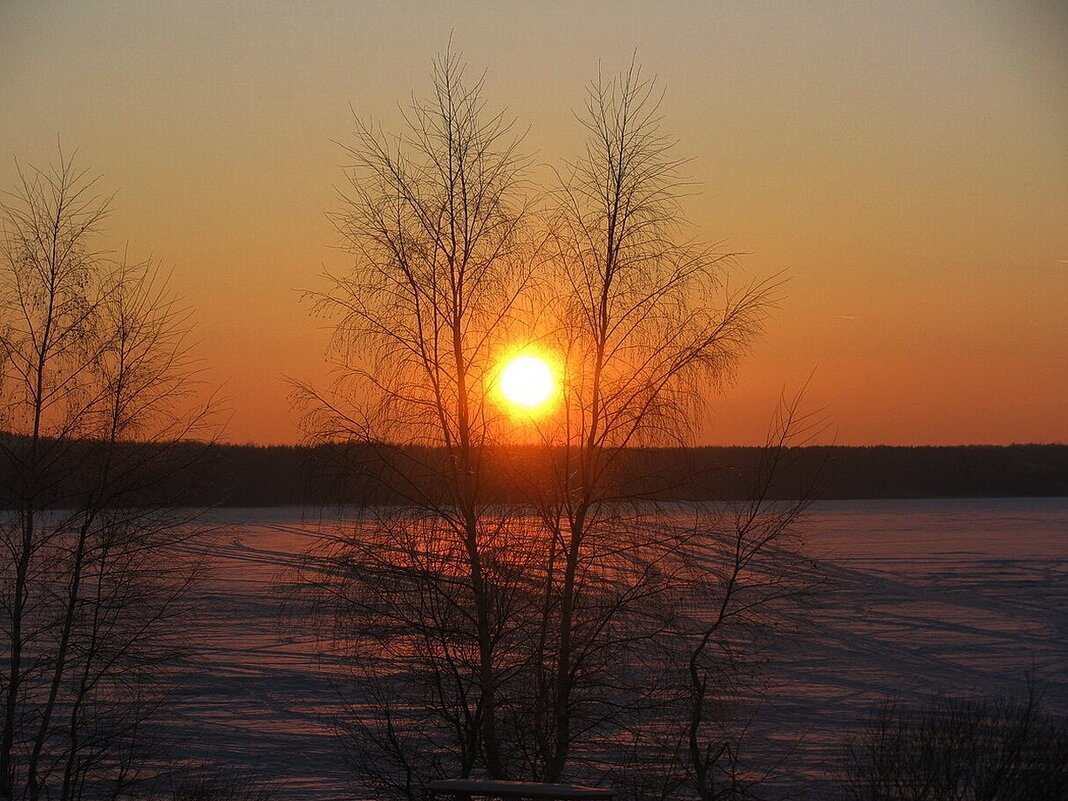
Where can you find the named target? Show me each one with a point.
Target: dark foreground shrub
(958, 749)
(218, 785)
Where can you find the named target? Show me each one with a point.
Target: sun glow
(527, 382)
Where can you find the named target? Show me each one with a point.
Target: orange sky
(905, 164)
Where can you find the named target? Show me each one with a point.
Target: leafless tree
(433, 218)
(95, 378)
(647, 323)
(751, 572)
(541, 639)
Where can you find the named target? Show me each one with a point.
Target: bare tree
(647, 324)
(753, 573)
(95, 379)
(554, 638)
(434, 220)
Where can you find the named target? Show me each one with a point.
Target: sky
(903, 164)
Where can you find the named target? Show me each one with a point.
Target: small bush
(958, 749)
(218, 785)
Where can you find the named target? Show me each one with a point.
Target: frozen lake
(922, 597)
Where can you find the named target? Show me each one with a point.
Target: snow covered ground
(923, 597)
(926, 597)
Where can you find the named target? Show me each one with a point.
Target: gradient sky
(905, 163)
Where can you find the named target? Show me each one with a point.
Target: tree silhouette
(434, 221)
(92, 584)
(646, 323)
(546, 639)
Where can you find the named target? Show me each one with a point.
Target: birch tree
(433, 218)
(554, 633)
(95, 384)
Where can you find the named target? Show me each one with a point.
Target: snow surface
(922, 597)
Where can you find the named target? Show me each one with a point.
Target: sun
(527, 381)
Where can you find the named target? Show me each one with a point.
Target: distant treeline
(249, 475)
(252, 475)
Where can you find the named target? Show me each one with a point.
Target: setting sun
(527, 381)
